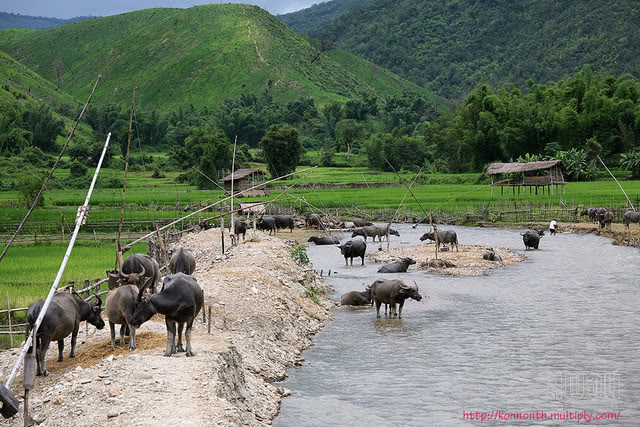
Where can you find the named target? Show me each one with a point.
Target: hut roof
(497, 168)
(241, 173)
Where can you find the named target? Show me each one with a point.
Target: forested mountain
(305, 20)
(452, 46)
(198, 56)
(15, 20)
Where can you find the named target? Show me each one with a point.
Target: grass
(213, 52)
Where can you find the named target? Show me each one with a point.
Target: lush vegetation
(452, 46)
(197, 56)
(306, 20)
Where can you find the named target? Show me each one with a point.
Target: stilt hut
(243, 179)
(538, 175)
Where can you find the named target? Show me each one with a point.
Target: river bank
(265, 309)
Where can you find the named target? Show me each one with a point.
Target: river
(558, 332)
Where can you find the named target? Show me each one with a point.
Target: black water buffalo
(605, 219)
(392, 292)
(367, 231)
(531, 238)
(137, 269)
(240, 226)
(121, 304)
(382, 232)
(592, 213)
(445, 236)
(180, 301)
(357, 297)
(182, 261)
(630, 217)
(359, 222)
(267, 223)
(353, 248)
(284, 221)
(62, 318)
(400, 266)
(324, 240)
(313, 220)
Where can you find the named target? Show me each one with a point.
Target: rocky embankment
(262, 320)
(467, 261)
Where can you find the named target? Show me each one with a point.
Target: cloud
(70, 8)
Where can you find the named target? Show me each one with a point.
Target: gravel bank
(262, 320)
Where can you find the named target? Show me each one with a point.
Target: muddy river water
(556, 334)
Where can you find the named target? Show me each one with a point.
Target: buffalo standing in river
(368, 231)
(393, 292)
(382, 231)
(400, 266)
(324, 240)
(531, 238)
(352, 249)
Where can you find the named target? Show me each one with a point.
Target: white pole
(232, 225)
(82, 214)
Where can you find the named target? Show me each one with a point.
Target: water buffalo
(382, 232)
(240, 226)
(592, 213)
(392, 292)
(606, 219)
(357, 297)
(267, 223)
(400, 266)
(445, 236)
(490, 255)
(531, 238)
(324, 240)
(367, 231)
(182, 261)
(137, 269)
(180, 301)
(121, 304)
(358, 222)
(353, 248)
(630, 217)
(283, 221)
(313, 220)
(62, 318)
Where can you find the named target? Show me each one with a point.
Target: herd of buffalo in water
(180, 298)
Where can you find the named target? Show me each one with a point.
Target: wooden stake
(222, 232)
(9, 316)
(209, 324)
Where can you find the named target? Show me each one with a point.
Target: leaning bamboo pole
(55, 165)
(80, 219)
(127, 247)
(614, 178)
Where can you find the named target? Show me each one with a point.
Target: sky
(70, 8)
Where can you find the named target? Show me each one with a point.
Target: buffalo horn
(123, 275)
(143, 270)
(404, 286)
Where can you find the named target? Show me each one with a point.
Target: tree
(332, 114)
(210, 151)
(282, 149)
(13, 137)
(349, 135)
(631, 161)
(44, 127)
(58, 67)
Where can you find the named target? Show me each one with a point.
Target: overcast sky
(70, 8)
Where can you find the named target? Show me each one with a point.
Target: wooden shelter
(243, 179)
(527, 175)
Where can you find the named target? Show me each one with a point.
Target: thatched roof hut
(243, 179)
(532, 174)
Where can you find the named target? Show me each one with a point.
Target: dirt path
(262, 320)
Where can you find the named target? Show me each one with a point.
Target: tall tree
(282, 149)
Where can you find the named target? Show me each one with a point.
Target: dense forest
(306, 20)
(451, 47)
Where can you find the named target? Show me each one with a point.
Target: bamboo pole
(119, 259)
(614, 178)
(80, 219)
(126, 248)
(9, 316)
(232, 225)
(46, 181)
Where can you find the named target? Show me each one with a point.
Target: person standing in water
(553, 225)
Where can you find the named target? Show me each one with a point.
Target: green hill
(15, 20)
(198, 56)
(452, 46)
(21, 85)
(305, 20)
